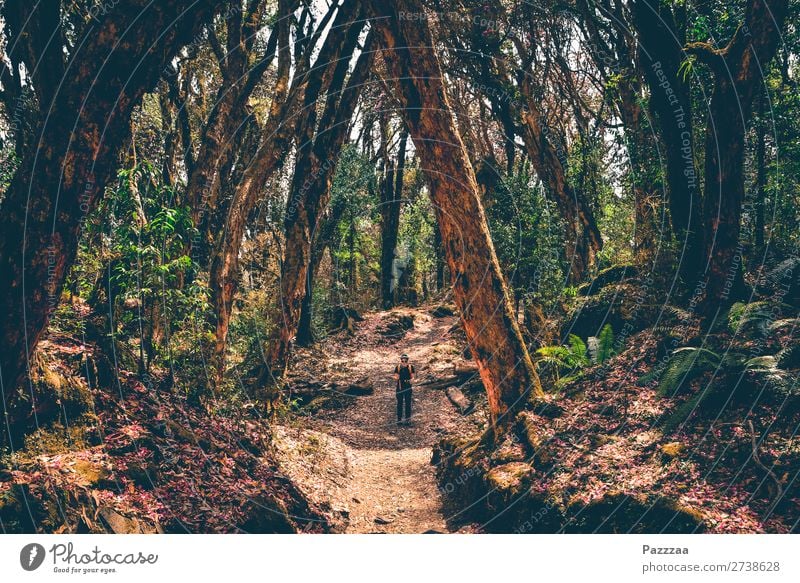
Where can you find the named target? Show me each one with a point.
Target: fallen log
(441, 383)
(465, 368)
(459, 400)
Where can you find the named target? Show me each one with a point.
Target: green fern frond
(762, 364)
(579, 356)
(605, 344)
(785, 323)
(755, 317)
(678, 313)
(552, 351)
(683, 412)
(686, 68)
(564, 381)
(686, 364)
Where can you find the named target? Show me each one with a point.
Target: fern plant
(687, 363)
(569, 357)
(755, 318)
(605, 344)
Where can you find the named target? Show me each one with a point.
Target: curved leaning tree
(86, 75)
(480, 292)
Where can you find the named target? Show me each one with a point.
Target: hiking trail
(374, 475)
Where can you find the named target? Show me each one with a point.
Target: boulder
(626, 306)
(396, 324)
(121, 524)
(459, 400)
(510, 450)
(91, 473)
(617, 512)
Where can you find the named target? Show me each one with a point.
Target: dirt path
(389, 483)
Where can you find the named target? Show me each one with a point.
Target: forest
(225, 222)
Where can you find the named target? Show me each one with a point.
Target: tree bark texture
(487, 314)
(87, 121)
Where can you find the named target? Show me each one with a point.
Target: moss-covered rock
(672, 449)
(91, 473)
(510, 449)
(618, 512)
(626, 306)
(118, 523)
(510, 480)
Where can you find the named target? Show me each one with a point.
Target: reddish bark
(480, 293)
(79, 141)
(281, 130)
(241, 71)
(582, 238)
(310, 194)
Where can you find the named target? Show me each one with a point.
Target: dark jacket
(404, 371)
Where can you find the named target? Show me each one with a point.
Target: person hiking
(404, 376)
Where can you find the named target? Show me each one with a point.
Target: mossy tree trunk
(737, 71)
(391, 196)
(321, 145)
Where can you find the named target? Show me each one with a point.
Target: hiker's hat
(403, 357)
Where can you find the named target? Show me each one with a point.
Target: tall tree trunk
(79, 141)
(440, 262)
(641, 153)
(390, 220)
(487, 313)
(305, 328)
(660, 59)
(270, 155)
(737, 69)
(229, 112)
(761, 181)
(309, 197)
(322, 242)
(583, 240)
(169, 169)
(352, 238)
(279, 133)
